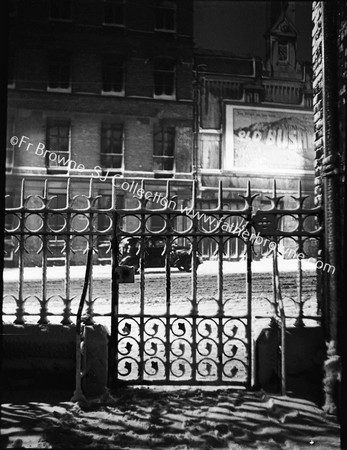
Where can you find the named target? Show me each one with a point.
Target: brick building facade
(98, 88)
(104, 88)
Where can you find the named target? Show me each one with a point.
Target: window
(165, 16)
(164, 77)
(56, 220)
(112, 74)
(60, 10)
(164, 148)
(283, 52)
(111, 146)
(252, 96)
(59, 71)
(9, 146)
(58, 142)
(104, 222)
(114, 12)
(210, 156)
(156, 224)
(10, 70)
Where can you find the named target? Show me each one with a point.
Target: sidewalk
(182, 419)
(207, 268)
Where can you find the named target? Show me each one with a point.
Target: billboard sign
(267, 139)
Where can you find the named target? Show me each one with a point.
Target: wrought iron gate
(167, 338)
(202, 346)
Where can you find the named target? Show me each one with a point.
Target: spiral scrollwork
(128, 368)
(181, 368)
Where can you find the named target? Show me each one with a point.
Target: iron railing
(149, 345)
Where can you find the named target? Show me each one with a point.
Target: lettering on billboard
(270, 139)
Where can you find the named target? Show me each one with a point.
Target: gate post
(327, 153)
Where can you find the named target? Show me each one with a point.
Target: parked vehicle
(180, 256)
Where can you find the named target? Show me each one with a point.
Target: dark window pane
(56, 221)
(164, 76)
(58, 142)
(60, 9)
(163, 147)
(113, 12)
(283, 52)
(59, 70)
(111, 146)
(112, 73)
(165, 17)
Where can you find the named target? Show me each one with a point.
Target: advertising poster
(272, 139)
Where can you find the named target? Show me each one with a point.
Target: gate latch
(124, 274)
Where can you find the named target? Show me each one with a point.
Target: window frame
(60, 58)
(120, 3)
(163, 143)
(162, 9)
(60, 3)
(115, 61)
(111, 126)
(286, 46)
(162, 74)
(51, 123)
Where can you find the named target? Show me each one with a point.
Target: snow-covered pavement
(207, 268)
(143, 419)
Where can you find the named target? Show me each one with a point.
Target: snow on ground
(207, 268)
(182, 419)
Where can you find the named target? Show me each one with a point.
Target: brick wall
(34, 37)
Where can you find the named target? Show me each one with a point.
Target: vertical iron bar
(168, 306)
(67, 306)
(273, 321)
(220, 287)
(43, 309)
(20, 305)
(299, 320)
(168, 287)
(90, 304)
(249, 292)
(194, 283)
(142, 288)
(113, 350)
(283, 327)
(67, 303)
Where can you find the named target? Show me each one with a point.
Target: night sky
(239, 26)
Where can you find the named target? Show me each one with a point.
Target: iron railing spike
(220, 195)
